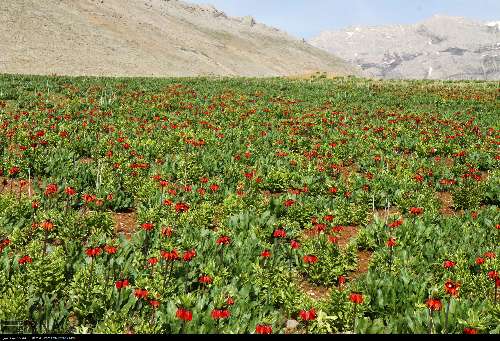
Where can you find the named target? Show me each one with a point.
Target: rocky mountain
(441, 47)
(148, 38)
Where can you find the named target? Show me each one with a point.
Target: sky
(307, 18)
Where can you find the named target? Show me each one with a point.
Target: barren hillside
(148, 38)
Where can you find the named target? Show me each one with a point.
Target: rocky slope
(148, 38)
(441, 47)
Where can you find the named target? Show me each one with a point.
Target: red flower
(294, 244)
(155, 304)
(416, 210)
(319, 227)
(493, 275)
(328, 218)
(152, 261)
(263, 329)
(479, 260)
(121, 284)
(395, 223)
(333, 239)
(181, 207)
(173, 255)
(50, 189)
(167, 232)
(88, 198)
(205, 279)
(70, 191)
(47, 225)
(110, 250)
(35, 204)
(337, 229)
(214, 187)
(356, 297)
(418, 178)
(25, 259)
(451, 288)
(333, 190)
(308, 315)
(229, 301)
(266, 254)
(448, 264)
(220, 314)
(188, 255)
(434, 304)
(147, 226)
(341, 280)
(310, 259)
(14, 170)
(470, 331)
(223, 240)
(167, 202)
(204, 180)
(289, 202)
(279, 234)
(141, 293)
(4, 243)
(489, 255)
(184, 314)
(93, 251)
(391, 242)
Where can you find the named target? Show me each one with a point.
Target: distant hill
(148, 38)
(441, 47)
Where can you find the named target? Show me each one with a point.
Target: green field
(233, 205)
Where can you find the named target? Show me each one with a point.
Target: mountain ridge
(440, 47)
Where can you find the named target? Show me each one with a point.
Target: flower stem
(446, 318)
(430, 322)
(354, 320)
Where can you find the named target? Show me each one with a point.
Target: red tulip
(310, 259)
(188, 255)
(294, 244)
(263, 329)
(223, 240)
(308, 315)
(220, 314)
(451, 288)
(110, 250)
(470, 331)
(279, 233)
(25, 259)
(448, 264)
(147, 226)
(184, 314)
(50, 189)
(266, 254)
(356, 298)
(434, 304)
(391, 242)
(205, 279)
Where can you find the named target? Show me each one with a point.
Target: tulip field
(238, 205)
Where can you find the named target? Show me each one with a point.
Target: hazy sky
(306, 18)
